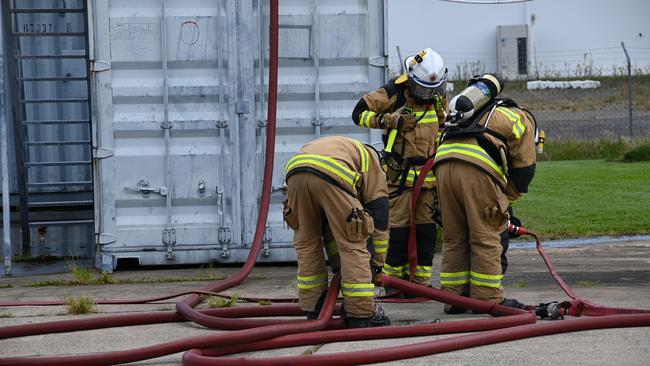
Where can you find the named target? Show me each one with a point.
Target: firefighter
(409, 109)
(338, 199)
(485, 161)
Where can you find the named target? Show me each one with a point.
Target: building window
(522, 56)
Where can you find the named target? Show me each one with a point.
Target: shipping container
(179, 117)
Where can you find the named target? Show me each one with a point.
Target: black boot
(453, 310)
(313, 315)
(513, 303)
(379, 319)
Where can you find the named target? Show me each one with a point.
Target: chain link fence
(578, 113)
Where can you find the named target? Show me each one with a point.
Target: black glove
(514, 221)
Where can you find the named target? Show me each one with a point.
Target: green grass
(222, 302)
(520, 284)
(587, 198)
(588, 283)
(264, 302)
(639, 153)
(83, 304)
(6, 285)
(6, 315)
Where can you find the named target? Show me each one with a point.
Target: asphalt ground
(612, 274)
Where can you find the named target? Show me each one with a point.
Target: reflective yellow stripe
(486, 276)
(357, 289)
(485, 280)
(454, 278)
(381, 246)
(327, 163)
(391, 140)
(431, 178)
(308, 282)
(518, 128)
(330, 249)
(365, 118)
(474, 151)
(428, 117)
(364, 155)
(424, 271)
(393, 271)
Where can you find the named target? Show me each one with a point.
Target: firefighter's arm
(521, 146)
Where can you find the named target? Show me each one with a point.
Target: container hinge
(378, 61)
(268, 238)
(262, 123)
(166, 125)
(106, 238)
(221, 124)
(102, 153)
(99, 66)
(146, 190)
(169, 239)
(317, 122)
(224, 236)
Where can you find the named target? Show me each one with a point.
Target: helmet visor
(427, 90)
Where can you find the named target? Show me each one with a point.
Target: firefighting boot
(313, 315)
(453, 310)
(379, 319)
(513, 303)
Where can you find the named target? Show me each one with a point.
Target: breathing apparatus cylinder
(479, 92)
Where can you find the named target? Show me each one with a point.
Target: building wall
(564, 37)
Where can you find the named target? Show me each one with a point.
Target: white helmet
(427, 75)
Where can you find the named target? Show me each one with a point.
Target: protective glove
(377, 274)
(402, 119)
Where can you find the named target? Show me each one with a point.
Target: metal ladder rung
(52, 78)
(58, 163)
(56, 122)
(61, 203)
(43, 143)
(52, 184)
(61, 10)
(50, 34)
(55, 100)
(57, 223)
(44, 57)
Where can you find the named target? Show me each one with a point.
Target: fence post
(4, 162)
(629, 87)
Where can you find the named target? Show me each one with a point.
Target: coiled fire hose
(260, 335)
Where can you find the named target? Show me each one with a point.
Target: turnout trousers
(474, 214)
(313, 205)
(400, 221)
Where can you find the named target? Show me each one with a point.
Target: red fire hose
(260, 335)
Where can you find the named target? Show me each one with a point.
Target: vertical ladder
(48, 64)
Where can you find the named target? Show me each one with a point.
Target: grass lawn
(587, 198)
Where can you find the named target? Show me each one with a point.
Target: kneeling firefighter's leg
(312, 273)
(426, 242)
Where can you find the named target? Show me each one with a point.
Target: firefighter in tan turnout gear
(338, 199)
(409, 110)
(485, 161)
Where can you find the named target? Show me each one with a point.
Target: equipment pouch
(290, 216)
(360, 225)
(394, 165)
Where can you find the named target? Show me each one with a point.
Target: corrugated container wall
(180, 117)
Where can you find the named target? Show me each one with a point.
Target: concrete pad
(615, 274)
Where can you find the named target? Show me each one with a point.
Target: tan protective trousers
(313, 200)
(474, 213)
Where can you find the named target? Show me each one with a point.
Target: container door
(167, 172)
(331, 54)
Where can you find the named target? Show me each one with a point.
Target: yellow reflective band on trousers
(473, 151)
(326, 163)
(363, 152)
(485, 280)
(423, 271)
(454, 278)
(518, 128)
(357, 289)
(396, 271)
(381, 246)
(365, 118)
(429, 116)
(413, 174)
(307, 282)
(330, 249)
